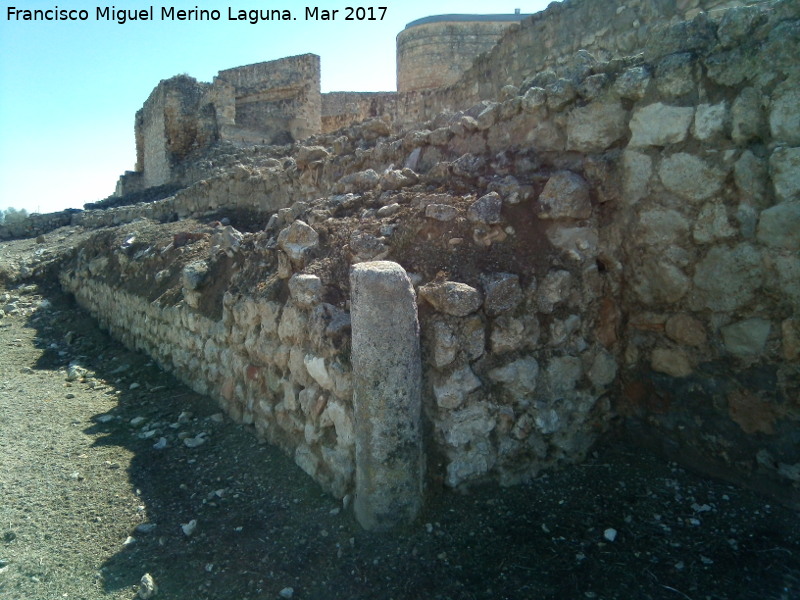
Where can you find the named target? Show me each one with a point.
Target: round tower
(433, 52)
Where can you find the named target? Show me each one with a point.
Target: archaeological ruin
(589, 225)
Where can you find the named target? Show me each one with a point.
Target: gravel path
(106, 466)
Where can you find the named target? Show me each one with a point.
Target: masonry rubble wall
(622, 245)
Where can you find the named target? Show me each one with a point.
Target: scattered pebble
(188, 528)
(286, 592)
(145, 528)
(147, 587)
(610, 534)
(136, 421)
(160, 444)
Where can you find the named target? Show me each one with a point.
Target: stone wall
(613, 242)
(342, 109)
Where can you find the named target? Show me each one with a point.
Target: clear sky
(69, 89)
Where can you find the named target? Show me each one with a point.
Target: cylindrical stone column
(386, 395)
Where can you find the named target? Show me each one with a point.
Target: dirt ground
(106, 466)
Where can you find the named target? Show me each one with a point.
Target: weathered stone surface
(441, 212)
(685, 329)
(746, 338)
(632, 84)
(445, 345)
(657, 282)
(305, 289)
(367, 247)
(359, 182)
(603, 370)
(194, 274)
(486, 209)
(502, 293)
(670, 361)
(519, 378)
(751, 177)
(779, 226)
(298, 239)
(562, 374)
(747, 116)
(596, 126)
(711, 121)
(557, 287)
(452, 297)
(712, 224)
(660, 124)
(565, 196)
(398, 179)
(386, 395)
(453, 391)
(784, 115)
(637, 169)
(675, 75)
(507, 334)
(307, 155)
(784, 166)
(466, 425)
(578, 243)
(690, 177)
(662, 227)
(342, 420)
(790, 339)
(727, 278)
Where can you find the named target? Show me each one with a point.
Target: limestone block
(784, 167)
(441, 212)
(452, 391)
(746, 338)
(297, 240)
(685, 329)
(386, 395)
(556, 287)
(565, 196)
(342, 420)
(486, 209)
(637, 168)
(790, 334)
(690, 177)
(562, 374)
(452, 298)
(632, 84)
(660, 124)
(305, 289)
(315, 366)
(727, 278)
(560, 93)
(535, 100)
(305, 458)
(578, 243)
(359, 182)
(603, 369)
(711, 121)
(306, 155)
(751, 177)
(473, 336)
(507, 334)
(779, 226)
(712, 224)
(661, 227)
(502, 293)
(748, 121)
(787, 267)
(395, 179)
(445, 344)
(596, 126)
(656, 281)
(469, 424)
(562, 329)
(292, 324)
(367, 247)
(194, 274)
(470, 463)
(784, 116)
(675, 75)
(671, 362)
(519, 377)
(340, 461)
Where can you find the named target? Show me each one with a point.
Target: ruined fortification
(598, 221)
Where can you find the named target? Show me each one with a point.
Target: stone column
(386, 395)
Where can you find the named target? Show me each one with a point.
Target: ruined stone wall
(614, 242)
(342, 109)
(435, 52)
(276, 97)
(173, 121)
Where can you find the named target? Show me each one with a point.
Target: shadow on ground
(621, 525)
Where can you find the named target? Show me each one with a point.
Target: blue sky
(69, 89)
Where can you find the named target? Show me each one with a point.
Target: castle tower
(433, 52)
